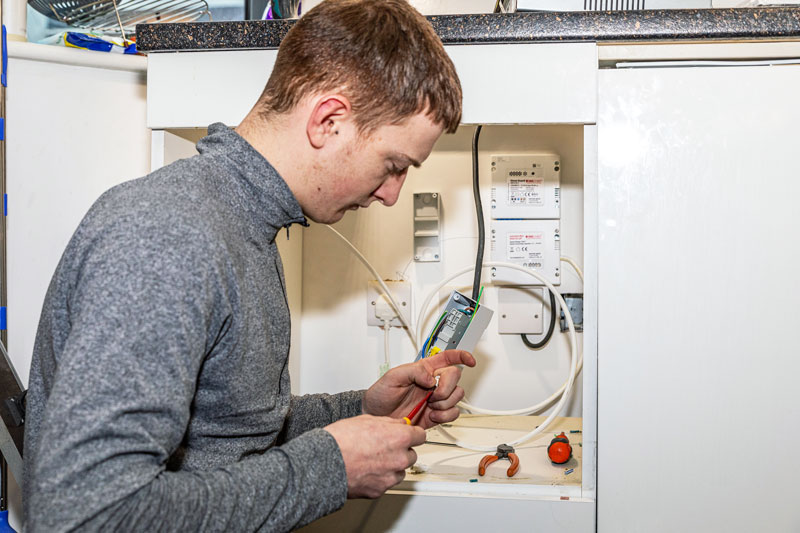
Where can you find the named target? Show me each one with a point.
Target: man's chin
(336, 216)
(328, 218)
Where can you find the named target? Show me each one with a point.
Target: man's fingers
(448, 401)
(443, 417)
(422, 372)
(448, 380)
(418, 436)
(411, 458)
(421, 375)
(449, 358)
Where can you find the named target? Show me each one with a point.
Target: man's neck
(277, 142)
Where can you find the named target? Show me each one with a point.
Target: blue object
(2, 129)
(88, 42)
(5, 527)
(3, 315)
(3, 78)
(5, 205)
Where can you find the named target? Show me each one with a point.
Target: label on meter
(525, 191)
(527, 247)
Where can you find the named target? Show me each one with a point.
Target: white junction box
(534, 244)
(520, 310)
(526, 186)
(376, 299)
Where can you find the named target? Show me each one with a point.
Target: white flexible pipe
(386, 291)
(565, 390)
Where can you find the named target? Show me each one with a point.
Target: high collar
(264, 194)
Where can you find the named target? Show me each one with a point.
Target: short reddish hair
(382, 54)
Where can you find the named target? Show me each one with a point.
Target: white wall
(72, 132)
(339, 351)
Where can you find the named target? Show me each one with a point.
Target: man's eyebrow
(405, 159)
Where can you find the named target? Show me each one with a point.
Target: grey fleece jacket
(159, 394)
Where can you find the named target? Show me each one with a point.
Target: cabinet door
(698, 359)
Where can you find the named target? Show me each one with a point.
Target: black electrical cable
(476, 191)
(546, 339)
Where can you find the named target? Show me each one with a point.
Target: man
(159, 392)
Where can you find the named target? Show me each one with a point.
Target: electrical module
(526, 209)
(459, 327)
(452, 329)
(534, 244)
(526, 186)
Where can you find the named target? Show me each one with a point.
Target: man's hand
(376, 452)
(403, 387)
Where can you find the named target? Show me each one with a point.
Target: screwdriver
(416, 409)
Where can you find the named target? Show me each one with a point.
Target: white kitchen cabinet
(550, 105)
(556, 86)
(687, 186)
(698, 190)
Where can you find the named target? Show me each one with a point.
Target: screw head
(416, 258)
(373, 302)
(434, 195)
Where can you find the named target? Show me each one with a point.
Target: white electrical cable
(565, 390)
(574, 265)
(386, 328)
(547, 401)
(386, 291)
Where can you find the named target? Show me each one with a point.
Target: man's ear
(327, 116)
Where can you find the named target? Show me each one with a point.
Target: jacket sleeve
(318, 410)
(145, 310)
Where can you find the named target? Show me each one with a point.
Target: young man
(159, 392)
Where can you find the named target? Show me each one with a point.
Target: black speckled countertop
(770, 23)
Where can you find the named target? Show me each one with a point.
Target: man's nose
(388, 193)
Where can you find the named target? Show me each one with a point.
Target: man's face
(363, 169)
